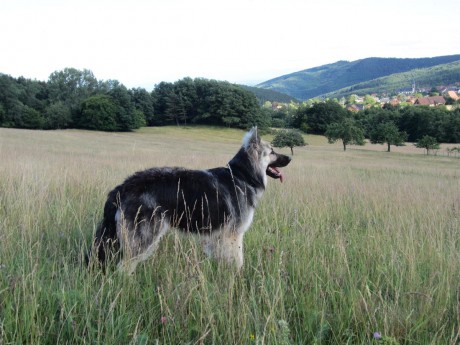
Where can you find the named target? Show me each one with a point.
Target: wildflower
(377, 336)
(252, 337)
(164, 319)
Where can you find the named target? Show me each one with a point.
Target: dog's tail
(106, 244)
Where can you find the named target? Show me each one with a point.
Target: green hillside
(427, 77)
(326, 79)
(269, 95)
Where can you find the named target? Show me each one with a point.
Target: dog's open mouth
(275, 173)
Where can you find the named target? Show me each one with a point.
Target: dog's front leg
(227, 246)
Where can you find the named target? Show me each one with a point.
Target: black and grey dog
(217, 204)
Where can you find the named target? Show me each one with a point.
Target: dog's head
(264, 156)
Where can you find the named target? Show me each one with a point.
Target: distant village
(442, 96)
(447, 96)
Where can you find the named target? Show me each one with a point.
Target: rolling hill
(269, 95)
(343, 75)
(444, 74)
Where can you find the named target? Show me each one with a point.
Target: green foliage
(57, 104)
(30, 118)
(71, 86)
(317, 117)
(125, 116)
(387, 132)
(208, 102)
(428, 143)
(143, 102)
(288, 138)
(98, 113)
(72, 97)
(266, 95)
(346, 130)
(57, 116)
(437, 122)
(416, 121)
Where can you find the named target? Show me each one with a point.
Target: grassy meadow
(352, 243)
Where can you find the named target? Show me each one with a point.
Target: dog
(216, 204)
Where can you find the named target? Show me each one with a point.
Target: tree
(320, 115)
(369, 100)
(428, 143)
(126, 116)
(57, 116)
(98, 113)
(388, 133)
(347, 130)
(143, 102)
(288, 138)
(30, 118)
(71, 86)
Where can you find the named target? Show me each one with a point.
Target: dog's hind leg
(129, 265)
(138, 250)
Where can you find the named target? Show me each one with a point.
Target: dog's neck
(242, 167)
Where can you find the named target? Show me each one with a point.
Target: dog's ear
(251, 138)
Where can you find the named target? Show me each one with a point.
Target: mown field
(352, 244)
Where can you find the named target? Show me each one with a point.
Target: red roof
(434, 100)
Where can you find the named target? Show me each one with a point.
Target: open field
(352, 243)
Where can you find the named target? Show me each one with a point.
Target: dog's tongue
(280, 173)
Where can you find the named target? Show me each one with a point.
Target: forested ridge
(350, 75)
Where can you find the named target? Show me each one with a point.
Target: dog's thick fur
(218, 204)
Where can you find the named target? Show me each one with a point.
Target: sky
(143, 42)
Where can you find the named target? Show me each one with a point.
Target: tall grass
(351, 244)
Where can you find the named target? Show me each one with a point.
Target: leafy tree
(175, 108)
(352, 99)
(9, 100)
(22, 102)
(428, 143)
(451, 127)
(143, 102)
(30, 118)
(370, 118)
(288, 138)
(126, 118)
(207, 102)
(57, 116)
(267, 105)
(369, 100)
(72, 86)
(319, 116)
(347, 130)
(98, 113)
(161, 95)
(388, 133)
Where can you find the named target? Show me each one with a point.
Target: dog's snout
(283, 160)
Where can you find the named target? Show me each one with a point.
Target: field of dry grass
(352, 243)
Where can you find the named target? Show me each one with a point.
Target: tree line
(73, 98)
(380, 125)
